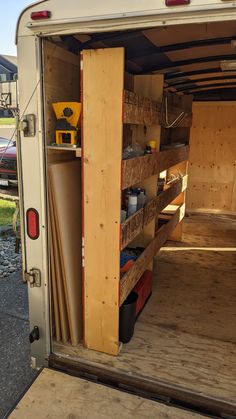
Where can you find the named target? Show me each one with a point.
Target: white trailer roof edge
(86, 23)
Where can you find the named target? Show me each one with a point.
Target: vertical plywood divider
(150, 86)
(103, 85)
(179, 169)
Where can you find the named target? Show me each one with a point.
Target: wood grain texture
(133, 226)
(103, 86)
(212, 158)
(130, 279)
(57, 395)
(140, 110)
(58, 285)
(186, 336)
(56, 324)
(150, 86)
(65, 183)
(61, 82)
(138, 169)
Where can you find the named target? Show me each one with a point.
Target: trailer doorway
(184, 340)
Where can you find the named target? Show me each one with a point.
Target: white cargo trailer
(160, 71)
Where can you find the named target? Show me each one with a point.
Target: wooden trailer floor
(186, 335)
(57, 395)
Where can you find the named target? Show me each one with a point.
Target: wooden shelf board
(78, 151)
(130, 279)
(140, 110)
(137, 169)
(135, 224)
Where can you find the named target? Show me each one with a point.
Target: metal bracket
(33, 277)
(28, 125)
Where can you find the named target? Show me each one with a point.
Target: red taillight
(32, 222)
(43, 14)
(177, 2)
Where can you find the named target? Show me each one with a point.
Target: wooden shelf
(77, 151)
(130, 279)
(140, 110)
(137, 169)
(133, 226)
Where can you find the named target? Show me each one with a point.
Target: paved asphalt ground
(15, 371)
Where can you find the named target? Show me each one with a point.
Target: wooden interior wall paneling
(233, 200)
(138, 169)
(103, 87)
(61, 82)
(130, 279)
(212, 158)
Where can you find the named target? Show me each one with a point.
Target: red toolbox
(143, 289)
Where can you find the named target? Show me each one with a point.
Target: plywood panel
(212, 157)
(103, 85)
(57, 276)
(135, 224)
(57, 395)
(65, 183)
(138, 169)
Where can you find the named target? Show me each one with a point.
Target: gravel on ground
(10, 261)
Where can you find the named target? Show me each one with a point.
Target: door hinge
(33, 277)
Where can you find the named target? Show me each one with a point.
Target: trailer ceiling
(188, 55)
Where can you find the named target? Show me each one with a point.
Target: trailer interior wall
(212, 159)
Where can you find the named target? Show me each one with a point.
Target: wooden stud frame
(105, 175)
(103, 86)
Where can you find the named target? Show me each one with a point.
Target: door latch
(33, 277)
(28, 125)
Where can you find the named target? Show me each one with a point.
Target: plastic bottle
(133, 202)
(141, 199)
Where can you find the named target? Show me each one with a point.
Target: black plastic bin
(128, 317)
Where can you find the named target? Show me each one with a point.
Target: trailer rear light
(43, 14)
(32, 223)
(177, 2)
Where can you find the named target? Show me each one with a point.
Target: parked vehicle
(8, 162)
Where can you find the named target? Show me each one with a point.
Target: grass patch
(7, 209)
(7, 121)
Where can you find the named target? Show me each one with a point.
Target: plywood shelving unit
(77, 151)
(108, 108)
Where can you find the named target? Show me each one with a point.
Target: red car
(8, 163)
